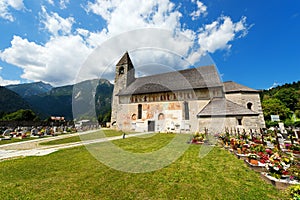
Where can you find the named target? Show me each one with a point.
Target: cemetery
(265, 166)
(274, 153)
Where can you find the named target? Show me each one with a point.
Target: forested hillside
(11, 101)
(284, 101)
(92, 99)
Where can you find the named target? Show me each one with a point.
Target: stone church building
(182, 101)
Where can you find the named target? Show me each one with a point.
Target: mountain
(29, 89)
(11, 101)
(86, 99)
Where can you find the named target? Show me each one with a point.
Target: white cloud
(57, 62)
(160, 35)
(201, 10)
(218, 35)
(55, 24)
(6, 5)
(7, 82)
(51, 2)
(63, 4)
(128, 15)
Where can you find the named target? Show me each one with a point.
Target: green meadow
(76, 174)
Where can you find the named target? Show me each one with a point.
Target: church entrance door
(151, 126)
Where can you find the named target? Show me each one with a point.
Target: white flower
(276, 168)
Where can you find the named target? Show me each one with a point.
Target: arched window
(140, 111)
(186, 110)
(121, 70)
(249, 105)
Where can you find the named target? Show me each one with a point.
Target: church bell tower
(124, 76)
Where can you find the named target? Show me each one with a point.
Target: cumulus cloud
(56, 62)
(122, 16)
(6, 5)
(201, 10)
(151, 31)
(55, 24)
(7, 82)
(218, 35)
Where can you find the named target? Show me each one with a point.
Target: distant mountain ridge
(29, 89)
(90, 97)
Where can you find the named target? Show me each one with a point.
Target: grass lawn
(13, 140)
(76, 174)
(89, 136)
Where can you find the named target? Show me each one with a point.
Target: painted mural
(166, 116)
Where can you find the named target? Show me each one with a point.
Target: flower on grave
(263, 157)
(278, 166)
(198, 137)
(288, 146)
(253, 156)
(269, 151)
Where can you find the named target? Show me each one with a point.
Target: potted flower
(253, 158)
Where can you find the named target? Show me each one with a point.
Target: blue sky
(254, 43)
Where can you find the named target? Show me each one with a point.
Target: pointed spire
(125, 60)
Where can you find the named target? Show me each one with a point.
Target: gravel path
(32, 147)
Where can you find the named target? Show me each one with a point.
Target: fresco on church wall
(165, 114)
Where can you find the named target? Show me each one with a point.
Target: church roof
(125, 60)
(224, 107)
(233, 87)
(194, 78)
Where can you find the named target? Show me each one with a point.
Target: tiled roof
(224, 107)
(232, 87)
(194, 78)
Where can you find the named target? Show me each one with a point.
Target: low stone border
(280, 184)
(258, 168)
(241, 156)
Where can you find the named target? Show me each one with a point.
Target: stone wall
(220, 124)
(245, 98)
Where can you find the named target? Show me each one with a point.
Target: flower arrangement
(257, 148)
(263, 157)
(198, 137)
(225, 138)
(278, 166)
(253, 156)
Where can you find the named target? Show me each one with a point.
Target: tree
(107, 117)
(289, 96)
(273, 106)
(21, 115)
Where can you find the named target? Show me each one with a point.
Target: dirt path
(32, 144)
(32, 147)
